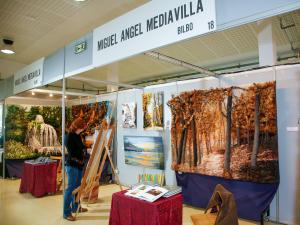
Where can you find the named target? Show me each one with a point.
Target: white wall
(288, 114)
(129, 174)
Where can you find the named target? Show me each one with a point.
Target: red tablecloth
(38, 179)
(131, 211)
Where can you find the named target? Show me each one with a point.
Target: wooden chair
(204, 219)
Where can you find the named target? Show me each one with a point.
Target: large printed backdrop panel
(227, 132)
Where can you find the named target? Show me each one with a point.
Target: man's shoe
(82, 210)
(70, 218)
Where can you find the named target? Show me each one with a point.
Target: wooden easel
(58, 172)
(95, 164)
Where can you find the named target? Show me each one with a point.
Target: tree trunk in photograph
(144, 125)
(181, 144)
(189, 151)
(209, 143)
(199, 145)
(256, 131)
(238, 135)
(248, 138)
(206, 144)
(228, 134)
(194, 136)
(184, 146)
(174, 134)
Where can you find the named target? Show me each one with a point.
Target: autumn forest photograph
(227, 132)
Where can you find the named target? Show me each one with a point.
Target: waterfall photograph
(32, 131)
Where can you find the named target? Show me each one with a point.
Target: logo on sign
(28, 77)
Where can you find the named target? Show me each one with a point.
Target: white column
(267, 57)
(112, 75)
(63, 130)
(266, 43)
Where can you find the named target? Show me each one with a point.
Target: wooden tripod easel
(95, 164)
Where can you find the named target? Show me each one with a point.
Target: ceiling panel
(29, 13)
(135, 69)
(244, 38)
(219, 44)
(64, 8)
(233, 45)
(40, 27)
(198, 49)
(279, 34)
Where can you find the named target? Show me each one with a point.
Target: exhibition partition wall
(255, 189)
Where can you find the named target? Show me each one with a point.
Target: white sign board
(29, 77)
(153, 25)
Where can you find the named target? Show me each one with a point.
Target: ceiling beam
(24, 98)
(84, 79)
(181, 63)
(47, 91)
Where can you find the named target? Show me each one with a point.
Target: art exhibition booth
(158, 87)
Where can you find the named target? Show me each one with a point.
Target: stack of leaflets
(172, 190)
(147, 192)
(40, 160)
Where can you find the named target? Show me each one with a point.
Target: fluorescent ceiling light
(7, 51)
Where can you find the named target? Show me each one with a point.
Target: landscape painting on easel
(227, 132)
(153, 111)
(144, 151)
(92, 113)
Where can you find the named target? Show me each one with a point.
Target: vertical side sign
(29, 77)
(153, 25)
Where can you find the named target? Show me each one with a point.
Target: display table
(131, 211)
(38, 179)
(14, 167)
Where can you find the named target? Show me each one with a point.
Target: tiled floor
(24, 209)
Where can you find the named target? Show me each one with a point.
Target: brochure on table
(147, 193)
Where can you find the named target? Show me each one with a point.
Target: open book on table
(146, 192)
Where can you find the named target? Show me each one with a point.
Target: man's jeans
(74, 180)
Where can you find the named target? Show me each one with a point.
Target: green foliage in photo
(15, 123)
(16, 150)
